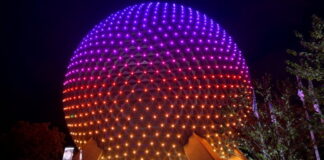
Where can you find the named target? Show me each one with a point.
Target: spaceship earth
(149, 76)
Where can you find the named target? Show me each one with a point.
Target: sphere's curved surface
(149, 76)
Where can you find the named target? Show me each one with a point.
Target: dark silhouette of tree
(32, 141)
(308, 67)
(277, 133)
(288, 122)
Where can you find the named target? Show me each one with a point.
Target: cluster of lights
(147, 77)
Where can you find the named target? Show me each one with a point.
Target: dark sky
(41, 35)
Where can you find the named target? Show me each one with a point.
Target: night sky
(40, 37)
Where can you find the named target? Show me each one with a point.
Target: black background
(39, 37)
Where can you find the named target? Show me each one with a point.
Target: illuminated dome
(149, 76)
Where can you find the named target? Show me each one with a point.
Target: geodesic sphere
(148, 76)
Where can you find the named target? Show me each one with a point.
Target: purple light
(145, 78)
